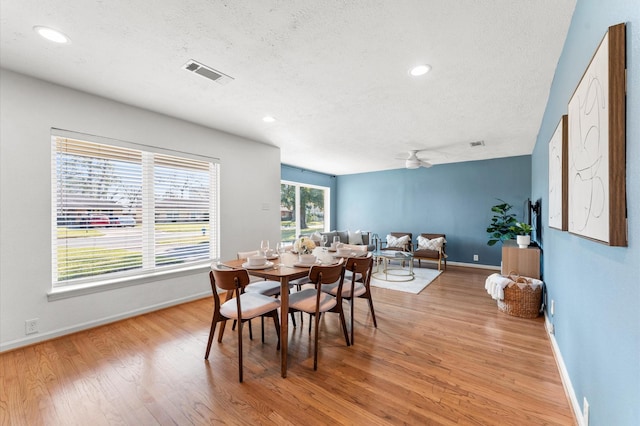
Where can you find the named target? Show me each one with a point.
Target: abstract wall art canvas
(596, 146)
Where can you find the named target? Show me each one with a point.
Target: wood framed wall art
(558, 173)
(596, 148)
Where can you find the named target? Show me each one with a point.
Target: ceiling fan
(413, 162)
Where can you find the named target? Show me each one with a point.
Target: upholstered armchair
(431, 247)
(399, 241)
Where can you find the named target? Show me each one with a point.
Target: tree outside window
(302, 209)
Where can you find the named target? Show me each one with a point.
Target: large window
(124, 210)
(303, 209)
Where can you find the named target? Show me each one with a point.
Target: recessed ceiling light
(268, 119)
(51, 34)
(420, 70)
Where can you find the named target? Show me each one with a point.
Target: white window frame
(327, 202)
(149, 272)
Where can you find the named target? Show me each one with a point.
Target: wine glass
(323, 240)
(280, 248)
(264, 247)
(336, 241)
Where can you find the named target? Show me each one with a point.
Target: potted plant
(502, 222)
(523, 234)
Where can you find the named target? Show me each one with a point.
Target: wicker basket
(521, 302)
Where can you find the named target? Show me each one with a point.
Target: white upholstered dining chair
(240, 307)
(314, 301)
(357, 285)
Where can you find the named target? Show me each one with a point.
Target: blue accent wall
(454, 199)
(596, 288)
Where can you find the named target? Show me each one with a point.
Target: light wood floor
(445, 356)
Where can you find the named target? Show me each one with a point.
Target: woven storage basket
(521, 302)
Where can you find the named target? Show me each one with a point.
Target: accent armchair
(431, 247)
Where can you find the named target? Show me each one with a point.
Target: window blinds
(121, 211)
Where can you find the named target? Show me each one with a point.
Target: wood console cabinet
(525, 262)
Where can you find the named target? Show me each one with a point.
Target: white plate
(275, 256)
(265, 266)
(306, 265)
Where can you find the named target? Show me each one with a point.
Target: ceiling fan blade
(425, 164)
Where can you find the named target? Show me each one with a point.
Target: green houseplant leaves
(521, 228)
(502, 224)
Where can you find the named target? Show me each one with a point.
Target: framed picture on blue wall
(558, 160)
(596, 151)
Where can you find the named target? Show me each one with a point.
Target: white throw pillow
(397, 242)
(427, 244)
(316, 237)
(355, 237)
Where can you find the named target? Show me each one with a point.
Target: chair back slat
(230, 279)
(327, 274)
(359, 264)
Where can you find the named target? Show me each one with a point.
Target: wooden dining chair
(262, 286)
(241, 307)
(314, 301)
(357, 285)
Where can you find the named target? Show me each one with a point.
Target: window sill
(69, 291)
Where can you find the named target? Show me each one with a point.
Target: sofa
(346, 237)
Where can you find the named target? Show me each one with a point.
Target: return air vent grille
(476, 143)
(207, 72)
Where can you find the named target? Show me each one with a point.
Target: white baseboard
(564, 374)
(474, 265)
(30, 340)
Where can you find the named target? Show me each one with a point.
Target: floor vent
(207, 72)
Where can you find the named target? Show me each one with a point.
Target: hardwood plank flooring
(444, 357)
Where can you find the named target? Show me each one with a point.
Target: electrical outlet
(585, 412)
(475, 257)
(31, 326)
(553, 307)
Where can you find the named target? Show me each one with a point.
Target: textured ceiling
(334, 74)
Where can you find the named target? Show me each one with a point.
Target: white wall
(28, 110)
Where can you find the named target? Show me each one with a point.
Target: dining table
(284, 269)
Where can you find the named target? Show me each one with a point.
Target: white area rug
(423, 277)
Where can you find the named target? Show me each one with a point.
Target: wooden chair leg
(262, 328)
(274, 315)
(373, 312)
(221, 332)
(344, 327)
(315, 345)
(212, 332)
(240, 350)
(351, 302)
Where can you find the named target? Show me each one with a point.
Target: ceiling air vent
(476, 143)
(208, 72)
